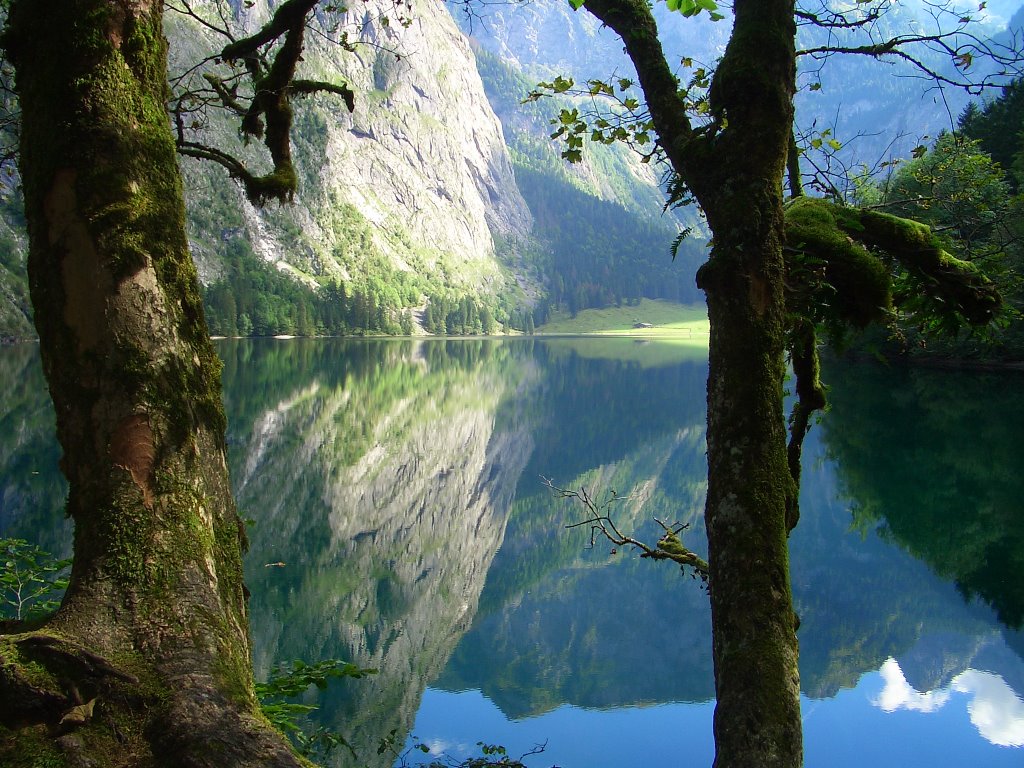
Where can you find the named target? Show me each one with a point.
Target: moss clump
(125, 532)
(937, 282)
(279, 185)
(29, 747)
(873, 260)
(819, 233)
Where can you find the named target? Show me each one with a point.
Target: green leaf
(576, 4)
(562, 84)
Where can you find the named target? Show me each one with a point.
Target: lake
(399, 520)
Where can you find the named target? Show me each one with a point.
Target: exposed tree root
(59, 698)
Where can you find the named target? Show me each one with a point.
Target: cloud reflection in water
(995, 709)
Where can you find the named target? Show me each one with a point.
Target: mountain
(409, 198)
(409, 214)
(411, 194)
(440, 202)
(878, 109)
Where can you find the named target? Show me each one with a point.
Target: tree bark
(735, 169)
(154, 625)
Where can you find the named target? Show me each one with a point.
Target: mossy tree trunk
(735, 168)
(154, 626)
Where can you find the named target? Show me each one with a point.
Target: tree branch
(268, 116)
(633, 21)
(287, 16)
(306, 87)
(668, 547)
(803, 355)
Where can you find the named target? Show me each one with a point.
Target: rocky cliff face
(417, 179)
(417, 176)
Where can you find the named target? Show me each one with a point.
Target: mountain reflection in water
(400, 522)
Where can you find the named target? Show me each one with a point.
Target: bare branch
(228, 96)
(186, 10)
(859, 31)
(668, 547)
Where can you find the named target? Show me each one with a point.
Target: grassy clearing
(667, 320)
(678, 333)
(648, 352)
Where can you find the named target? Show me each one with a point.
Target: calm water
(399, 521)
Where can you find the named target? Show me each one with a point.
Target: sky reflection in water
(881, 722)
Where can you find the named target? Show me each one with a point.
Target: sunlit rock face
(423, 146)
(386, 493)
(418, 176)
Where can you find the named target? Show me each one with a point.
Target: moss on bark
(861, 250)
(735, 168)
(157, 581)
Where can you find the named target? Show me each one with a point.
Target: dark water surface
(399, 521)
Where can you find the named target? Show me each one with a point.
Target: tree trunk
(757, 717)
(154, 625)
(735, 169)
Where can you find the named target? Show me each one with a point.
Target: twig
(668, 547)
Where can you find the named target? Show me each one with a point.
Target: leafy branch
(31, 580)
(611, 110)
(290, 682)
(491, 756)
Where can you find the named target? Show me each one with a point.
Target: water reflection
(399, 521)
(994, 708)
(32, 490)
(381, 481)
(899, 694)
(929, 458)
